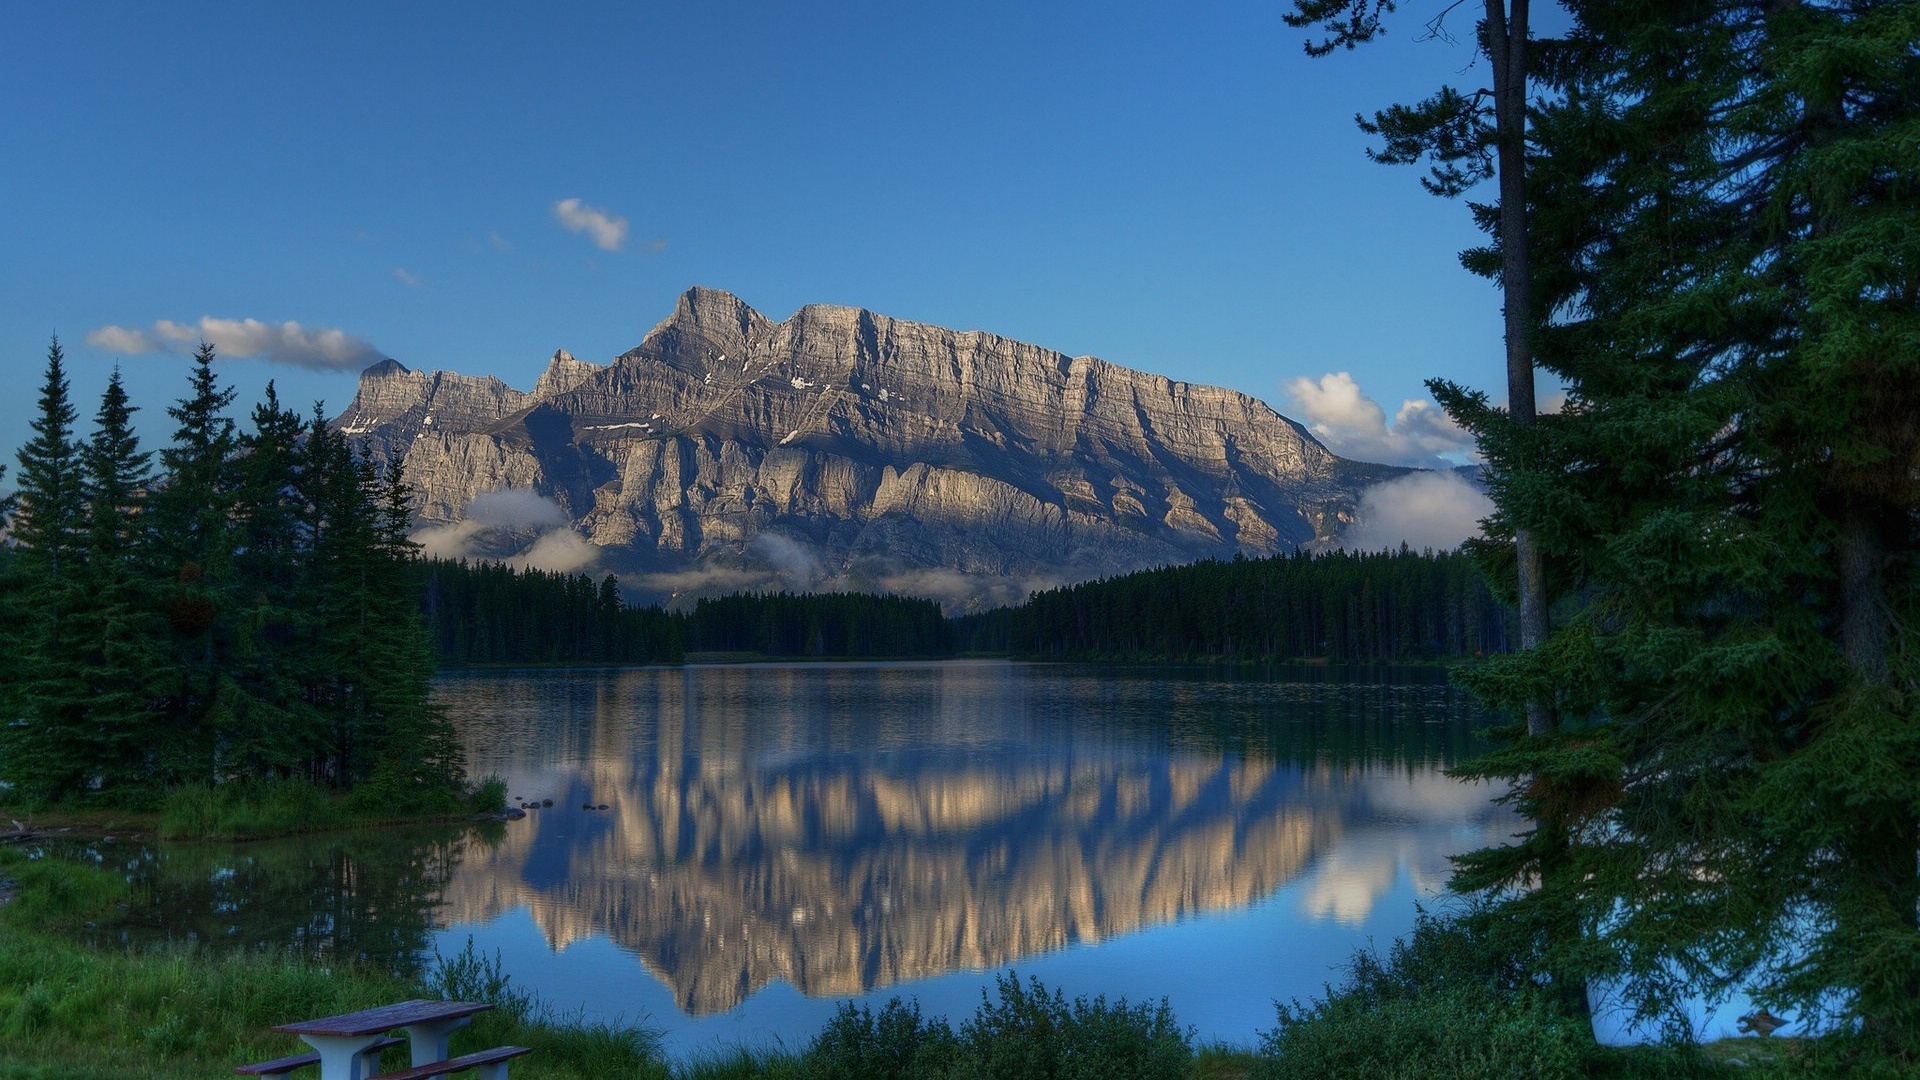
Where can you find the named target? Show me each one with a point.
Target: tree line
(480, 613)
(244, 611)
(1378, 607)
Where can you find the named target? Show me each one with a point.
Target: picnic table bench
(347, 1047)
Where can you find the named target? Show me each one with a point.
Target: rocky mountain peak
(563, 373)
(846, 449)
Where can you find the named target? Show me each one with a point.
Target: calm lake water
(778, 838)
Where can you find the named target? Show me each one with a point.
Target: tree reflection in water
(371, 895)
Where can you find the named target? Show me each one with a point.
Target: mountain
(841, 448)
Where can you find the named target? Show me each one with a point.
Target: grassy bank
(1437, 1005)
(71, 1011)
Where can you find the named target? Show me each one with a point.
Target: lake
(777, 838)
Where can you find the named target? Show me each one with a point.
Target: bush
(896, 1045)
(1443, 1002)
(1029, 1034)
(489, 796)
(1453, 1033)
(247, 810)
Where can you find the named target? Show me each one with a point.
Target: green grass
(67, 1010)
(1432, 1008)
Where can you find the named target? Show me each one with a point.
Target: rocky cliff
(841, 448)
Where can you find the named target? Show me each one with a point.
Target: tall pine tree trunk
(1507, 48)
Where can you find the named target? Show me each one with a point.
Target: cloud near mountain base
(1436, 510)
(515, 526)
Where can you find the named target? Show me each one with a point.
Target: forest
(245, 611)
(1378, 607)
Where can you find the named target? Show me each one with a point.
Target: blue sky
(1181, 191)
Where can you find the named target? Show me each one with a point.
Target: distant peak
(385, 369)
(703, 303)
(563, 373)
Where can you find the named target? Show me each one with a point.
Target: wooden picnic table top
(386, 1018)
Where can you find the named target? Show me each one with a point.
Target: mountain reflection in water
(844, 828)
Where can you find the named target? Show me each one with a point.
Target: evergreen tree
(1729, 218)
(49, 501)
(416, 752)
(276, 731)
(49, 527)
(116, 631)
(194, 512)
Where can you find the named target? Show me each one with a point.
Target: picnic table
(347, 1045)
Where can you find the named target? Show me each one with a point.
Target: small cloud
(409, 279)
(516, 510)
(453, 541)
(240, 339)
(168, 330)
(1434, 510)
(609, 231)
(498, 242)
(1354, 425)
(119, 339)
(515, 526)
(657, 245)
(561, 551)
(798, 569)
(707, 580)
(288, 343)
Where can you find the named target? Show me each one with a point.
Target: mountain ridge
(845, 448)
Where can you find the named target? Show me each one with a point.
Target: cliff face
(863, 451)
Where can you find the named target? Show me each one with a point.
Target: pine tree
(416, 754)
(1729, 218)
(276, 725)
(36, 757)
(194, 512)
(116, 627)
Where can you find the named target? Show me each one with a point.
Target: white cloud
(797, 567)
(516, 510)
(561, 551)
(1423, 510)
(608, 230)
(498, 242)
(517, 526)
(408, 278)
(121, 340)
(239, 339)
(453, 541)
(1354, 425)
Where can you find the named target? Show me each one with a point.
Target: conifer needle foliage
(245, 614)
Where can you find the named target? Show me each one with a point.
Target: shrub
(1451, 1033)
(489, 796)
(1444, 1001)
(1030, 1034)
(247, 810)
(896, 1045)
